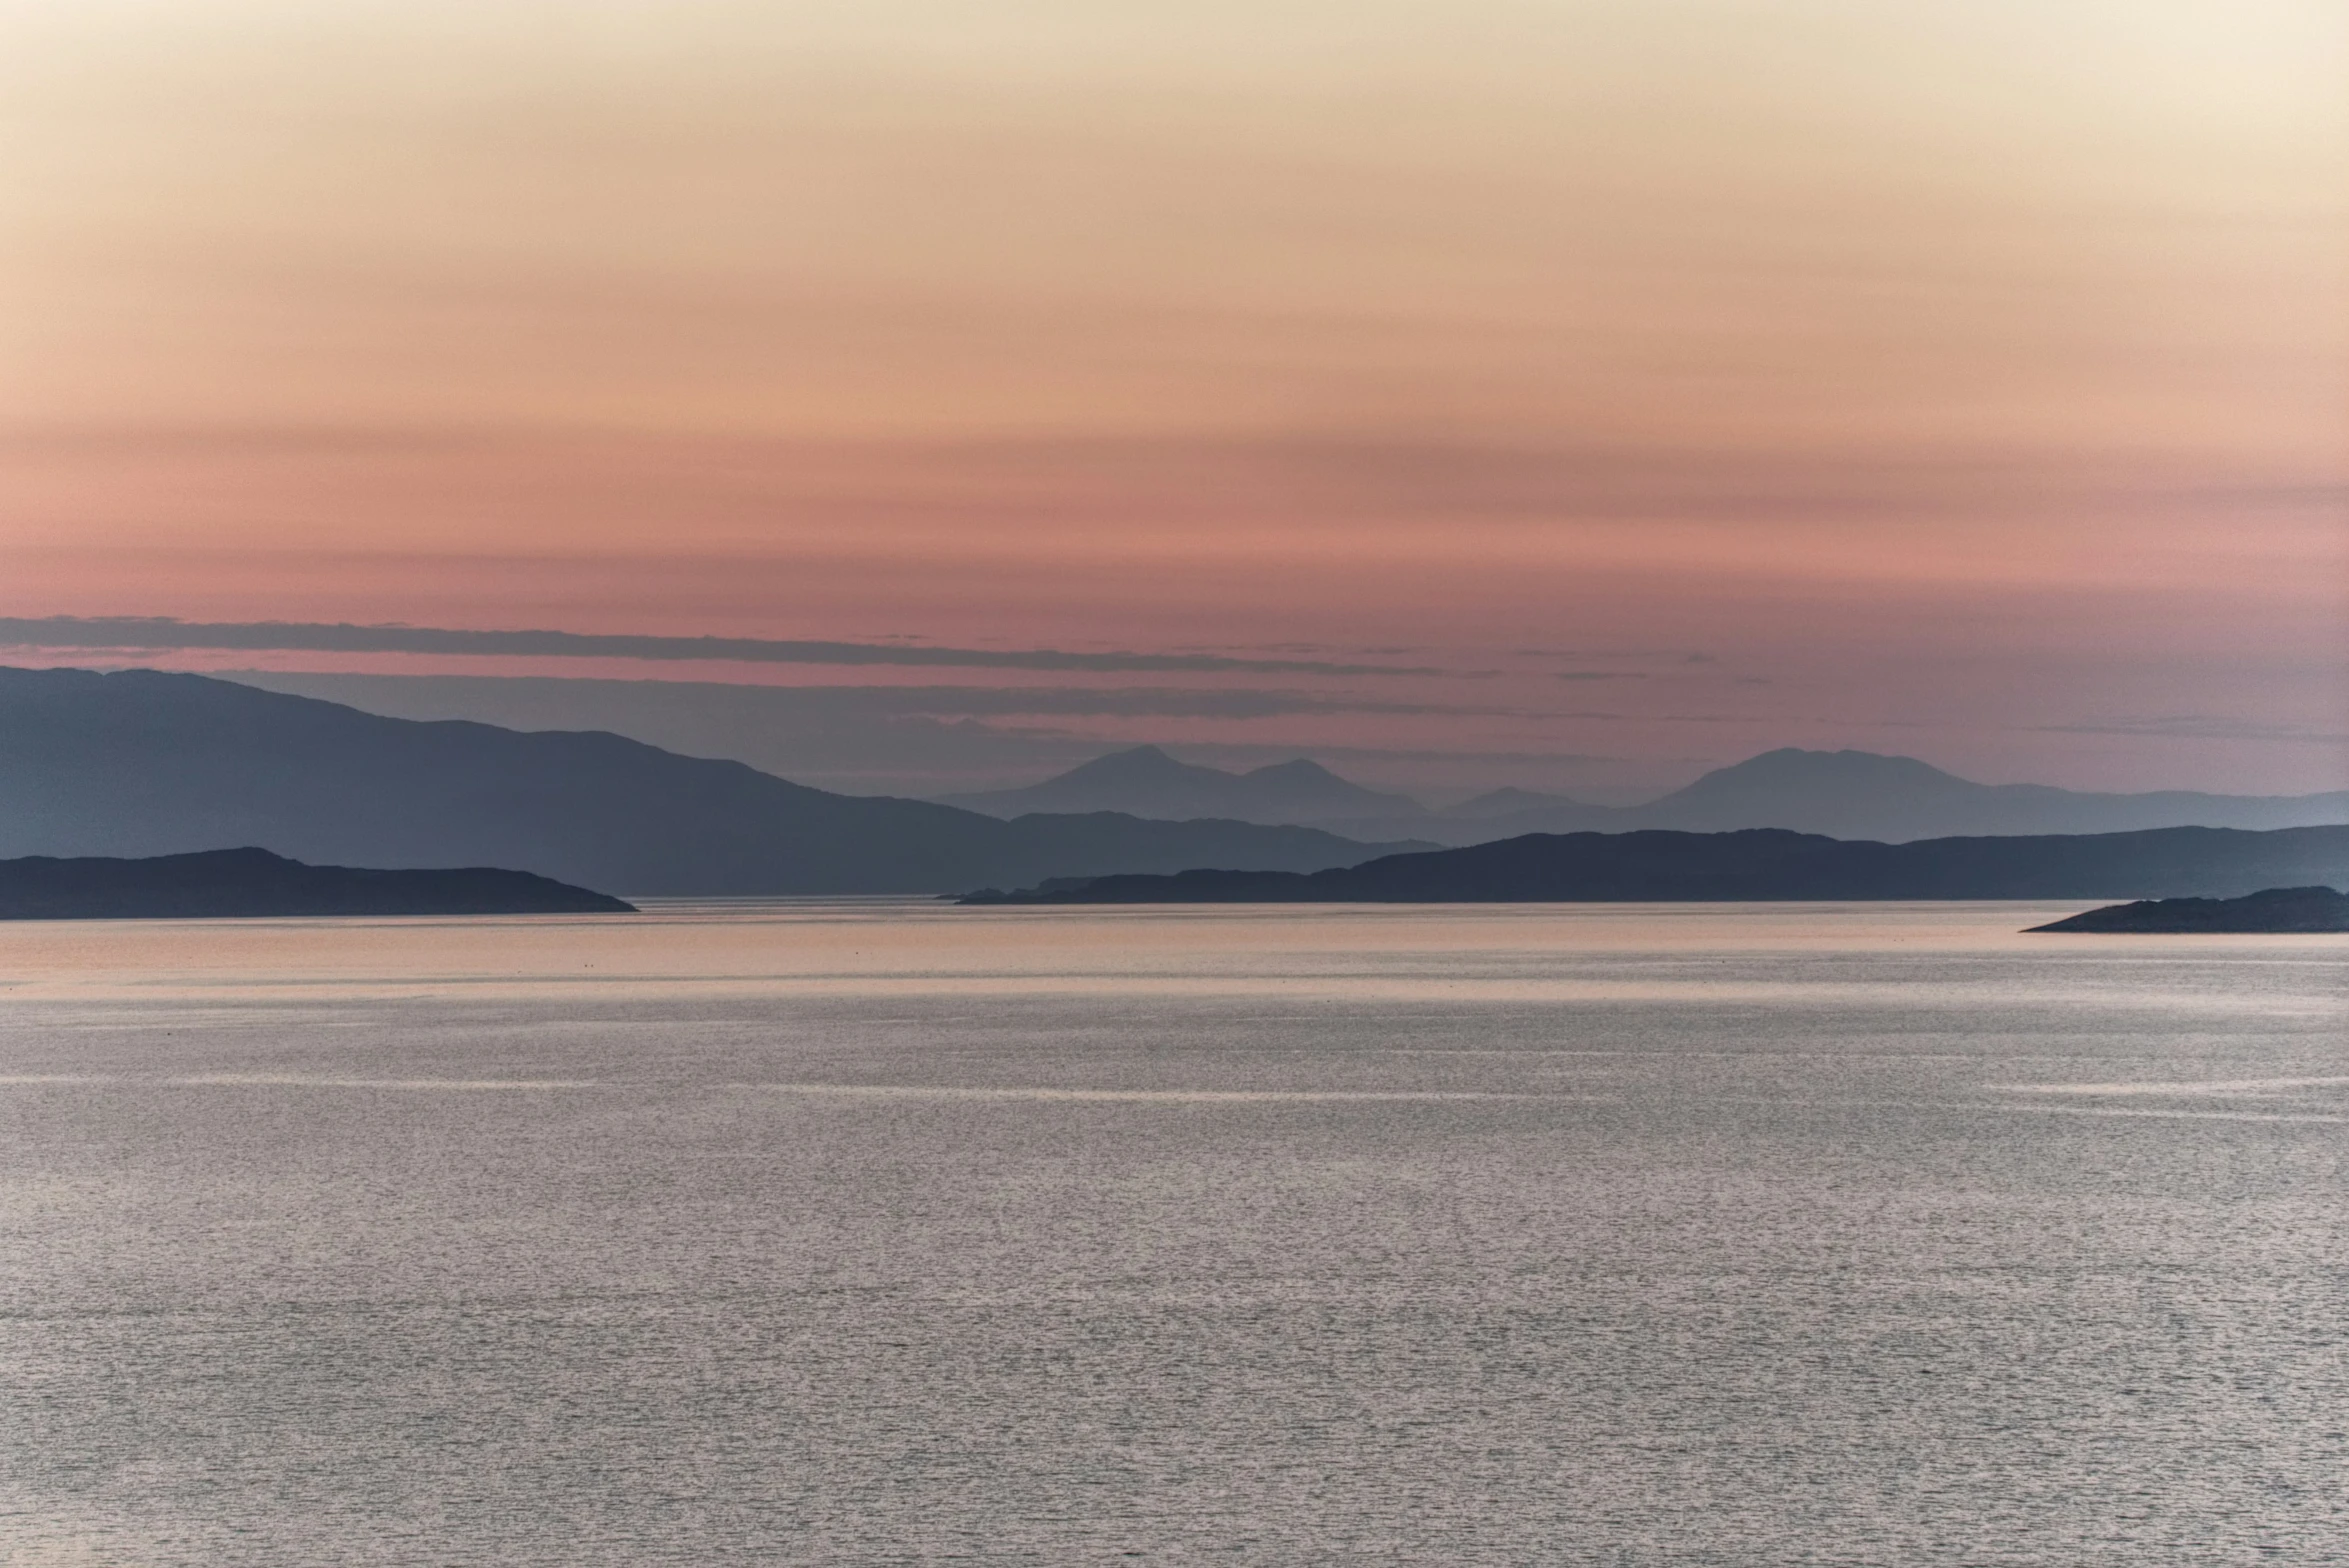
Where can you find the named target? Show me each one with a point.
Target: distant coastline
(2274, 911)
(231, 883)
(1760, 865)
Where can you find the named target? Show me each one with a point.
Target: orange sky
(1958, 379)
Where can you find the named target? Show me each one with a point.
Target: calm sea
(891, 1232)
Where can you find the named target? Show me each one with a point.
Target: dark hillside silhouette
(253, 882)
(2271, 911)
(1769, 864)
(146, 763)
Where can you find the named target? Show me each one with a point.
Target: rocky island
(2273, 911)
(253, 882)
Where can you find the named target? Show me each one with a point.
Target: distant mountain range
(1146, 782)
(1843, 794)
(1767, 864)
(253, 882)
(140, 763)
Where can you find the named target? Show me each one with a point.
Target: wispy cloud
(149, 633)
(2199, 726)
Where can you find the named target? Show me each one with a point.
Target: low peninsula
(1764, 865)
(228, 883)
(2274, 911)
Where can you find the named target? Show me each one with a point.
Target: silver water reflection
(889, 1232)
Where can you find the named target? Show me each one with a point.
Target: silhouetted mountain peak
(1137, 763)
(1300, 768)
(1147, 782)
(1506, 801)
(1868, 795)
(1307, 784)
(1792, 765)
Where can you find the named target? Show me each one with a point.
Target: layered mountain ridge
(141, 763)
(1842, 794)
(144, 763)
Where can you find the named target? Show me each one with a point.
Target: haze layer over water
(886, 1232)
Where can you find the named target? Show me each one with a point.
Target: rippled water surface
(891, 1232)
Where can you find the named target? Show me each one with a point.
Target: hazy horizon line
(145, 633)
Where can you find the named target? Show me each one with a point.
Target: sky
(1569, 395)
